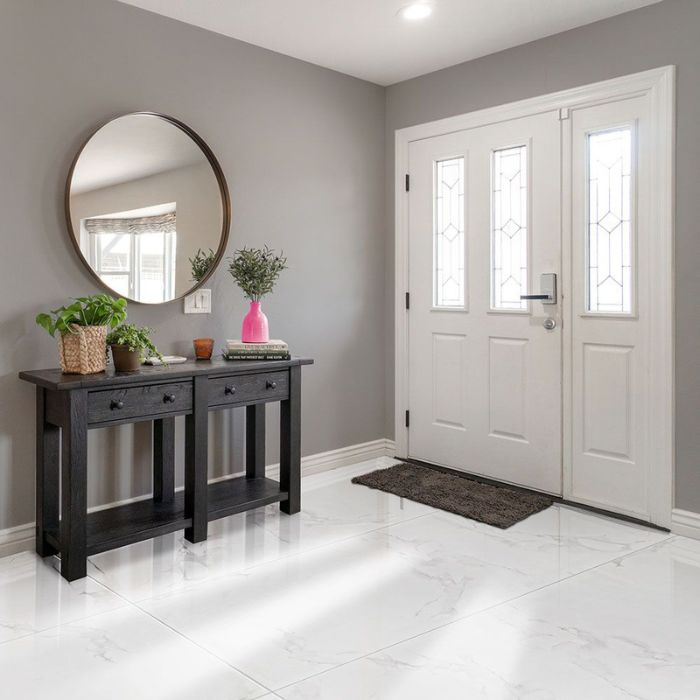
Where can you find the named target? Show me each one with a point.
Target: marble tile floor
(363, 596)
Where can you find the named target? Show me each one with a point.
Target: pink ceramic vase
(255, 328)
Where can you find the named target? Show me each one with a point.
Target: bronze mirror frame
(223, 190)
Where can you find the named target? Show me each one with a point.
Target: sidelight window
(609, 225)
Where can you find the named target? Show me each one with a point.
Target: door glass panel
(509, 228)
(609, 241)
(448, 234)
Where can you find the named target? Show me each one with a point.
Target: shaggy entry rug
(500, 506)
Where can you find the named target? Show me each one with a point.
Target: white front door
(574, 398)
(484, 225)
(611, 303)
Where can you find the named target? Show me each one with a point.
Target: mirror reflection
(143, 199)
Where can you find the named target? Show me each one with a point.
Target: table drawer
(134, 402)
(273, 386)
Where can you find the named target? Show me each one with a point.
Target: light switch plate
(198, 302)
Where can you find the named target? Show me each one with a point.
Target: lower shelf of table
(134, 522)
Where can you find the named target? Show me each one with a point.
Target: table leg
(164, 460)
(47, 476)
(196, 433)
(255, 441)
(290, 444)
(74, 486)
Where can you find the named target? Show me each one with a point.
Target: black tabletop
(57, 380)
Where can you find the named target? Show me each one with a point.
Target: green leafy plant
(95, 310)
(201, 264)
(256, 270)
(137, 339)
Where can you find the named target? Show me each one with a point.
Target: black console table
(68, 405)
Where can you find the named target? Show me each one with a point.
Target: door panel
(610, 306)
(485, 375)
(508, 388)
(450, 387)
(607, 401)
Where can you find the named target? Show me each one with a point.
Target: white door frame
(659, 85)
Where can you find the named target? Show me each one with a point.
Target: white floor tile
(34, 597)
(625, 630)
(170, 563)
(560, 540)
(363, 596)
(304, 614)
(333, 509)
(120, 655)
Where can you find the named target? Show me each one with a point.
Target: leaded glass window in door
(448, 234)
(609, 235)
(509, 228)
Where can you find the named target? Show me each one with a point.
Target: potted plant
(255, 271)
(201, 264)
(130, 346)
(82, 328)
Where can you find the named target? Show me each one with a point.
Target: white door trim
(659, 85)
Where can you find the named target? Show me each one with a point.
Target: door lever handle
(548, 289)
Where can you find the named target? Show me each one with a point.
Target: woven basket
(84, 350)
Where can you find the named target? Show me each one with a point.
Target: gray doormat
(500, 506)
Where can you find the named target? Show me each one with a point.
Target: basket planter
(83, 350)
(125, 360)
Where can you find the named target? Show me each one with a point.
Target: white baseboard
(685, 522)
(16, 539)
(342, 457)
(21, 538)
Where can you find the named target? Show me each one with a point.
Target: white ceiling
(367, 39)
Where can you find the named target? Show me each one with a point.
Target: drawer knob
(116, 404)
(229, 390)
(169, 398)
(271, 384)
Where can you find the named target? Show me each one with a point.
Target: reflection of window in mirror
(134, 252)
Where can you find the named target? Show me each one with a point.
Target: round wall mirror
(148, 208)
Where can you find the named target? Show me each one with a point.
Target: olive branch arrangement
(201, 263)
(256, 270)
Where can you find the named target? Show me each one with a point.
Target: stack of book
(272, 350)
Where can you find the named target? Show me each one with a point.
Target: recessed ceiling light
(418, 10)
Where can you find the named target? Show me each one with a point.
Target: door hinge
(408, 182)
(563, 113)
(407, 419)
(408, 300)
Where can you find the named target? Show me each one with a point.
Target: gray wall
(303, 151)
(662, 34)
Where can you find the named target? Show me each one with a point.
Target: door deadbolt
(550, 324)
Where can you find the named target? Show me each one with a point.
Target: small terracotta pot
(124, 359)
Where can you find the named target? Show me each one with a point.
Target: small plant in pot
(201, 264)
(255, 271)
(130, 346)
(82, 328)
